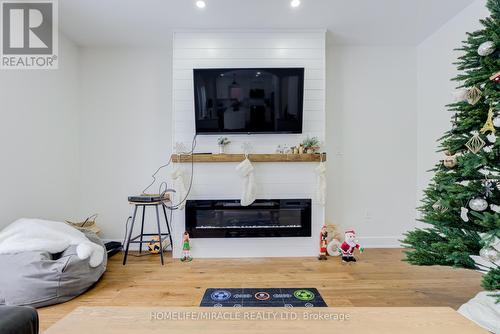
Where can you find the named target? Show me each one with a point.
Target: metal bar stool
(141, 236)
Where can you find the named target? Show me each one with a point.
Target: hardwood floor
(379, 278)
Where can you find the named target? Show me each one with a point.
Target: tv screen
(248, 100)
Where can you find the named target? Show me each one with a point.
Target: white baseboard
(366, 242)
(381, 242)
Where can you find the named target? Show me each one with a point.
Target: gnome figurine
(349, 245)
(186, 248)
(323, 235)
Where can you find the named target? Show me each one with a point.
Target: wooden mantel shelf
(253, 157)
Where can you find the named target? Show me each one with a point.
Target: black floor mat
(262, 297)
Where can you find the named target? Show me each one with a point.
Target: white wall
(371, 141)
(125, 126)
(39, 140)
(435, 56)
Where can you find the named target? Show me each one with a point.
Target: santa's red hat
(350, 231)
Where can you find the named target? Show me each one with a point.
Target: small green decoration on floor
(186, 248)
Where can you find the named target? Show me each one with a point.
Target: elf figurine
(186, 248)
(349, 245)
(322, 243)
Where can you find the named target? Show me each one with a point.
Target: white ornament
(491, 138)
(496, 122)
(463, 214)
(460, 94)
(488, 149)
(484, 171)
(478, 204)
(495, 208)
(486, 48)
(490, 254)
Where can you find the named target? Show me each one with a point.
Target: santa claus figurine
(349, 245)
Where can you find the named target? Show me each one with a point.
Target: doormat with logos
(262, 297)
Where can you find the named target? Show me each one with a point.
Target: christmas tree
(461, 205)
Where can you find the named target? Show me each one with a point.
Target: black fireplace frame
(304, 205)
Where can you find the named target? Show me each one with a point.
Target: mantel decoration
(311, 144)
(223, 142)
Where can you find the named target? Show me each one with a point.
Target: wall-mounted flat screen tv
(248, 100)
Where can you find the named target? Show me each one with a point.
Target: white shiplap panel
(314, 84)
(247, 62)
(246, 43)
(274, 180)
(248, 35)
(247, 53)
(314, 94)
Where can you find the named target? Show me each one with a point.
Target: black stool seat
(141, 236)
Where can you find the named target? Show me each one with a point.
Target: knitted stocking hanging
(321, 190)
(179, 185)
(245, 169)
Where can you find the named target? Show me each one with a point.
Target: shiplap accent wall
(247, 49)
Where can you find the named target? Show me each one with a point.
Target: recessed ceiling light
(202, 4)
(295, 3)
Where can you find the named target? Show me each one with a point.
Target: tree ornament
(449, 160)
(491, 138)
(489, 187)
(496, 121)
(473, 95)
(478, 204)
(490, 254)
(488, 149)
(495, 77)
(495, 208)
(486, 48)
(439, 207)
(464, 183)
(463, 214)
(475, 144)
(488, 125)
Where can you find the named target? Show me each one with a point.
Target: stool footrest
(144, 242)
(149, 234)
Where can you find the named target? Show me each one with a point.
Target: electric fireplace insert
(263, 218)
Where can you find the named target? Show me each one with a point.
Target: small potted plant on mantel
(311, 144)
(222, 142)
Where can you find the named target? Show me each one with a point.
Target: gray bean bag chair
(40, 279)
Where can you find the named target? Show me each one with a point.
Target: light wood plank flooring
(379, 278)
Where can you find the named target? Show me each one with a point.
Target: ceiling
(358, 22)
